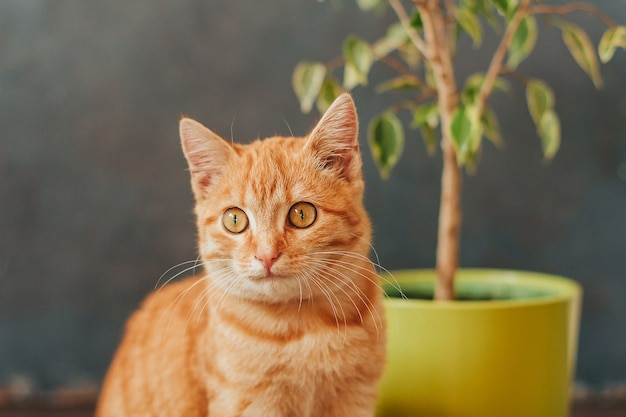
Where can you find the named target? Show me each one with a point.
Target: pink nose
(267, 259)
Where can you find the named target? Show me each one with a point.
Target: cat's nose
(267, 259)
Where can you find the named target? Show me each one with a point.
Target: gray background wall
(94, 197)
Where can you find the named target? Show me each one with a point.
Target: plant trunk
(440, 59)
(449, 224)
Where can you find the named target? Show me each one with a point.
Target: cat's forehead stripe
(268, 177)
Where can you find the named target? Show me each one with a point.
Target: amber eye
(302, 215)
(235, 220)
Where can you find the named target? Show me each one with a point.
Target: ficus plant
(420, 47)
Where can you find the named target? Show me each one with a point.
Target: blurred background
(95, 203)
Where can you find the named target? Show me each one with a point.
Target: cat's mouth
(268, 273)
(269, 276)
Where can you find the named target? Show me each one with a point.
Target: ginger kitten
(286, 318)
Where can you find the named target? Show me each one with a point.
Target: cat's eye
(235, 220)
(302, 215)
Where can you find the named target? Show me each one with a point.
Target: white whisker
(233, 279)
(236, 280)
(174, 305)
(297, 278)
(328, 295)
(195, 262)
(381, 274)
(345, 279)
(170, 309)
(334, 275)
(287, 123)
(303, 277)
(232, 135)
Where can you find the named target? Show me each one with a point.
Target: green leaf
(549, 130)
(426, 118)
(352, 78)
(367, 5)
(394, 38)
(460, 128)
(386, 141)
(410, 55)
(471, 161)
(416, 21)
(466, 131)
(426, 114)
(613, 38)
(328, 93)
(470, 24)
(430, 139)
(540, 99)
(582, 50)
(501, 5)
(523, 42)
(505, 7)
(491, 127)
(401, 83)
(358, 61)
(485, 8)
(474, 83)
(307, 80)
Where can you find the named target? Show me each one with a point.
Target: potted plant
(511, 352)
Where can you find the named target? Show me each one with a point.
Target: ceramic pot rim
(557, 289)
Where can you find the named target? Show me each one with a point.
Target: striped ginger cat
(286, 319)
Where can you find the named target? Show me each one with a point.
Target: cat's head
(282, 218)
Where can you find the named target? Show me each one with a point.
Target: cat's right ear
(206, 153)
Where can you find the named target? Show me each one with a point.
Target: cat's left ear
(334, 141)
(206, 153)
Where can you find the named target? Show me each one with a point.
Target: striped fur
(284, 321)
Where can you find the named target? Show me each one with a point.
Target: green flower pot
(511, 354)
